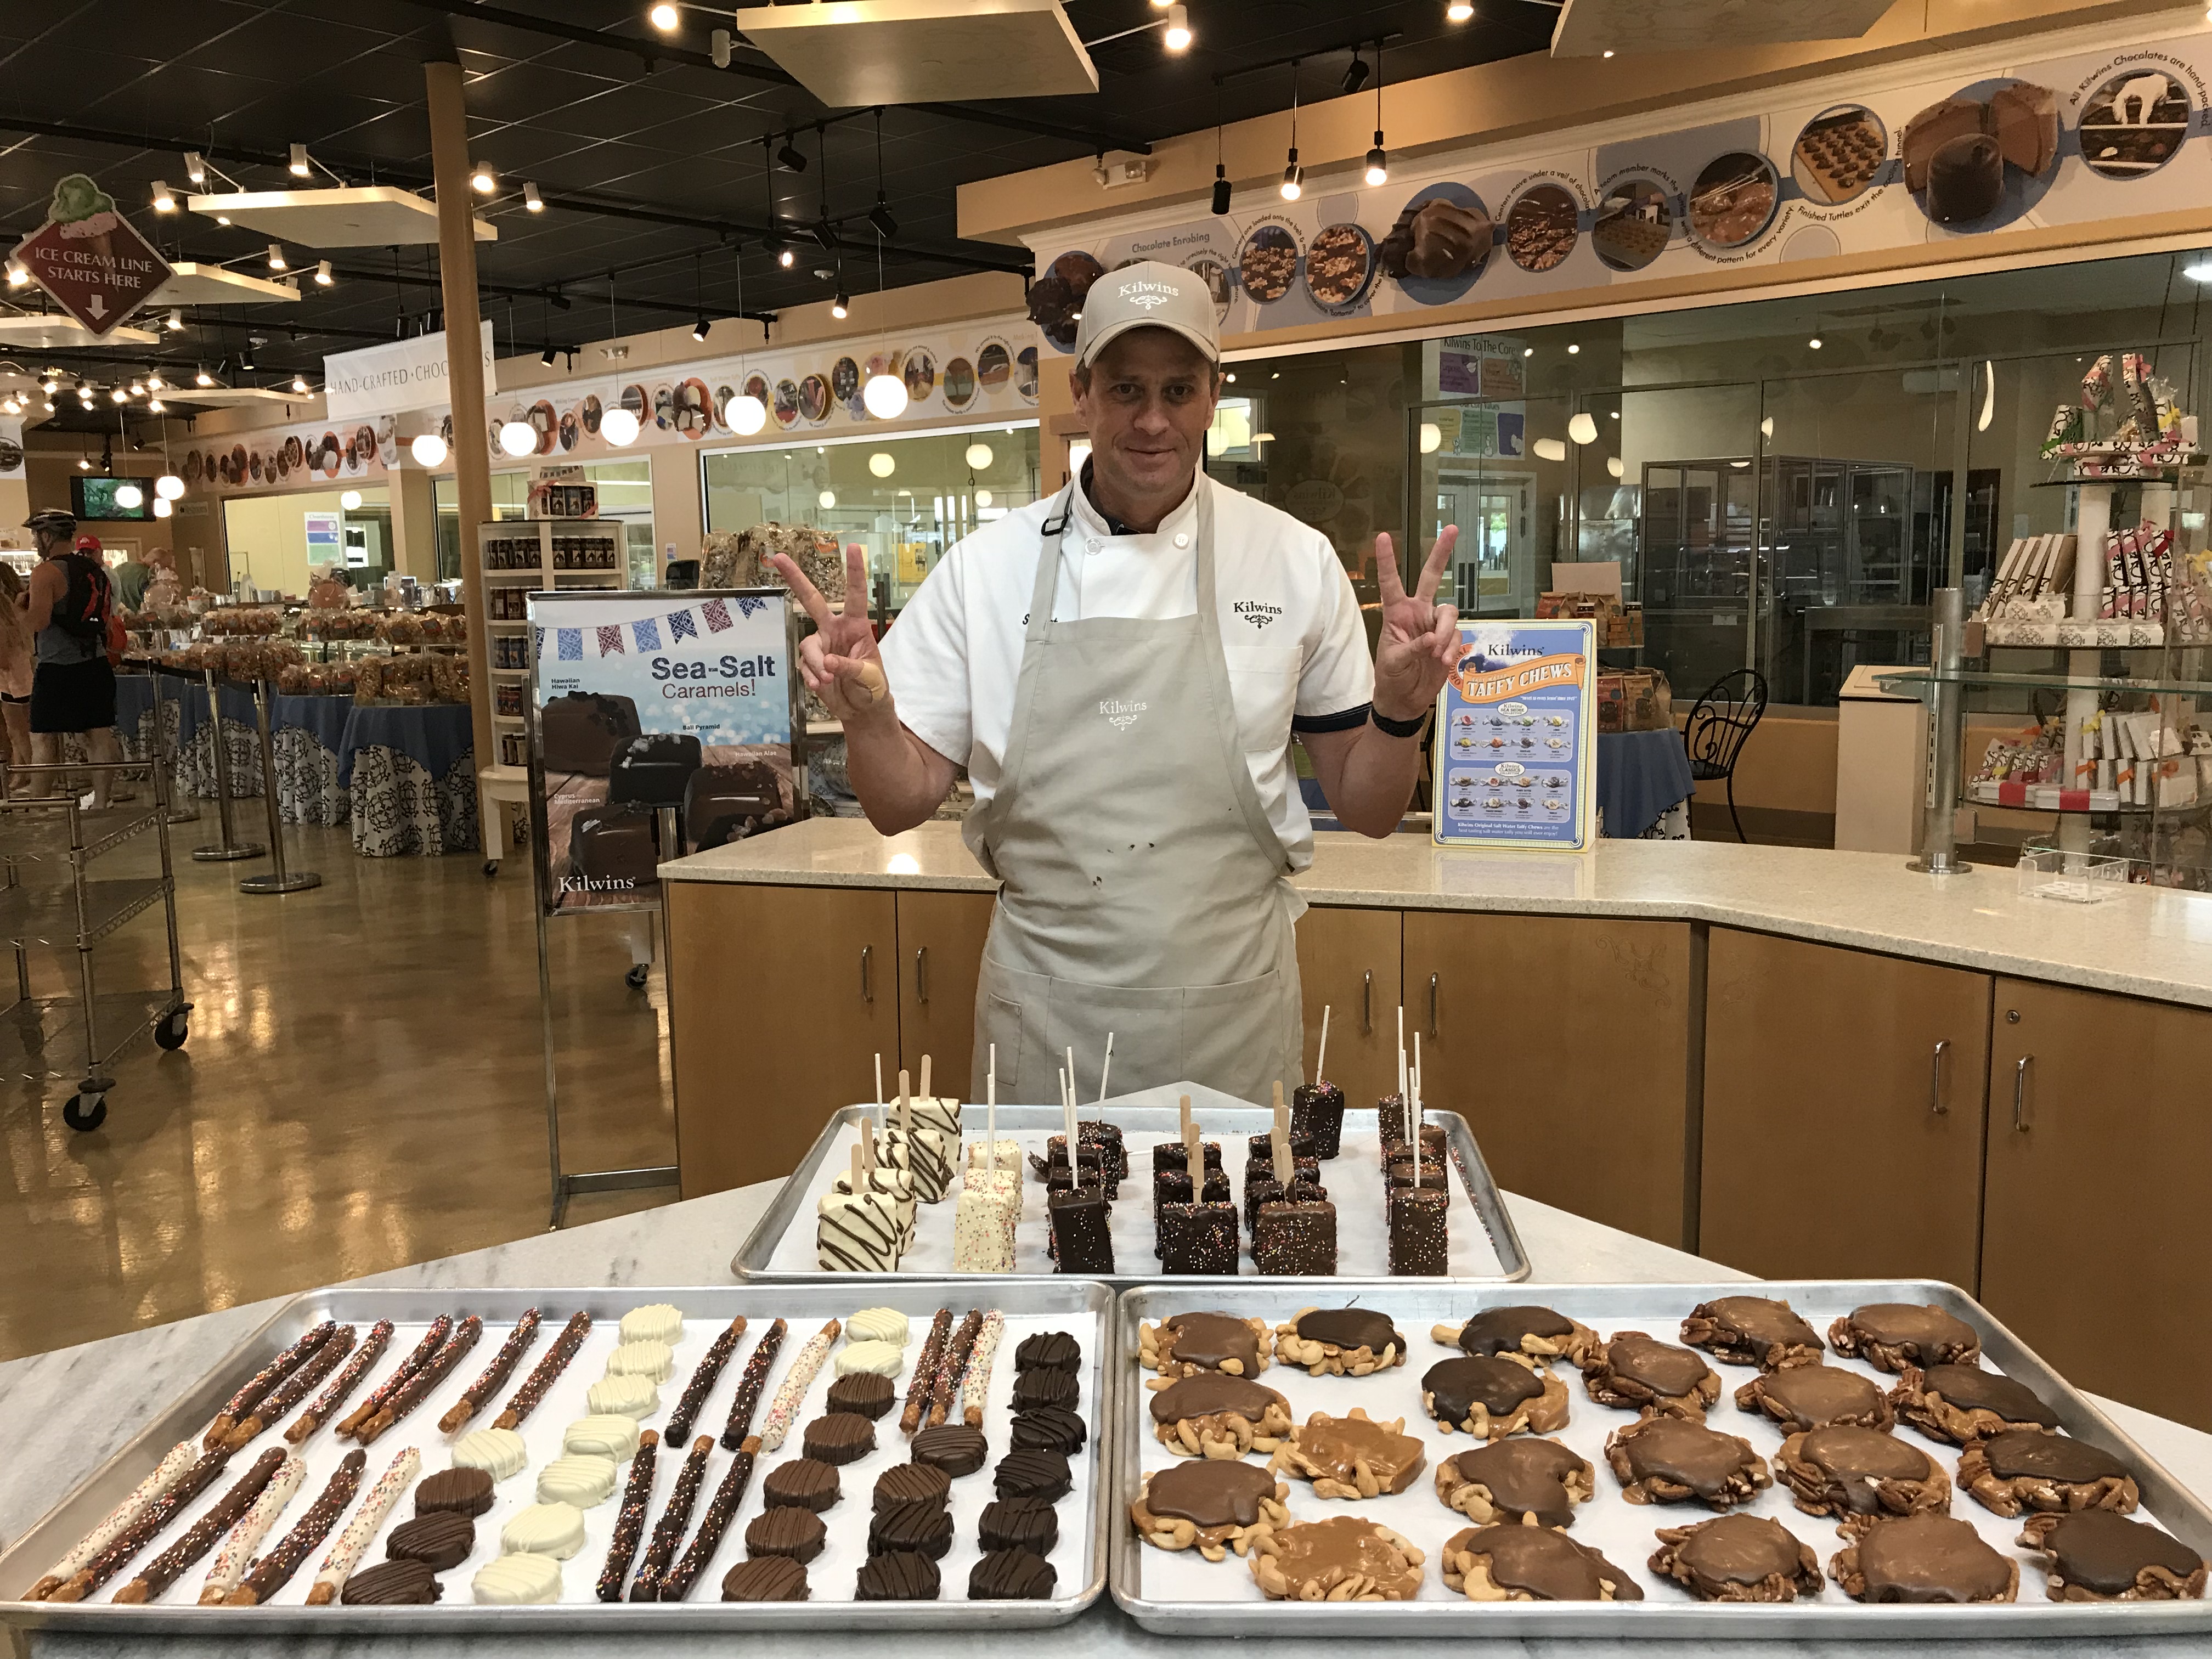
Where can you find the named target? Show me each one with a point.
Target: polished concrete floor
(363, 1087)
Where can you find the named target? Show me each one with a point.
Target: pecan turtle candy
(2096, 1556)
(1212, 1507)
(1890, 1335)
(1664, 1460)
(2024, 1469)
(1184, 1343)
(1752, 1330)
(1817, 1397)
(1531, 1482)
(1963, 1403)
(1737, 1557)
(1352, 1456)
(1861, 1475)
(1539, 1332)
(1340, 1559)
(1530, 1564)
(1340, 1342)
(1925, 1559)
(1492, 1396)
(1643, 1374)
(1213, 1414)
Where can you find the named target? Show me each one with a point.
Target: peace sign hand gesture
(839, 660)
(1419, 645)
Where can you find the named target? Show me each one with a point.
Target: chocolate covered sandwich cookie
(1963, 1403)
(1925, 1559)
(1643, 1374)
(1752, 1330)
(1033, 1472)
(924, 1527)
(1052, 1428)
(1817, 1397)
(1218, 1416)
(1861, 1475)
(803, 1483)
(1737, 1557)
(1032, 1524)
(1211, 1507)
(400, 1582)
(1664, 1460)
(953, 1447)
(907, 1483)
(1530, 1564)
(765, 1578)
(1492, 1396)
(1351, 1456)
(2026, 1469)
(1539, 1333)
(1340, 1559)
(2096, 1556)
(1526, 1481)
(797, 1534)
(1011, 1575)
(903, 1576)
(1048, 1350)
(1340, 1342)
(1891, 1335)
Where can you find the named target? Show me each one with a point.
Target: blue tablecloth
(434, 737)
(324, 718)
(1640, 775)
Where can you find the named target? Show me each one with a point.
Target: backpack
(87, 610)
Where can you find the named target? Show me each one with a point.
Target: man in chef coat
(1121, 667)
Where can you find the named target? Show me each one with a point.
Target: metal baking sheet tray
(1483, 1245)
(1181, 1594)
(1083, 1308)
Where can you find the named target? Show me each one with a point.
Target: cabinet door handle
(1436, 1029)
(867, 986)
(922, 975)
(1366, 1004)
(2021, 1120)
(1936, 1102)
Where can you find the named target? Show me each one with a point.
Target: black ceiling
(649, 157)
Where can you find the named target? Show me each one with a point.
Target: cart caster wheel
(171, 1032)
(491, 868)
(637, 977)
(86, 1113)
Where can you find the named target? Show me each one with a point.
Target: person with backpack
(69, 607)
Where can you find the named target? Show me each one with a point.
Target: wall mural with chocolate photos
(1943, 154)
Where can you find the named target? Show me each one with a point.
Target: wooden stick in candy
(1281, 1137)
(1321, 1060)
(1106, 1070)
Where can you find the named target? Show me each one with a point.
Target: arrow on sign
(89, 258)
(97, 306)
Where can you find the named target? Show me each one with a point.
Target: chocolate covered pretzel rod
(796, 1382)
(952, 1365)
(493, 1377)
(142, 1528)
(236, 1554)
(721, 1509)
(975, 1386)
(525, 1400)
(629, 1520)
(173, 1563)
(353, 1543)
(418, 1386)
(675, 1521)
(702, 1381)
(264, 1380)
(750, 1384)
(171, 1469)
(294, 1389)
(379, 1335)
(391, 1384)
(274, 1570)
(925, 1371)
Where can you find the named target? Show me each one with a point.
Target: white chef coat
(1290, 626)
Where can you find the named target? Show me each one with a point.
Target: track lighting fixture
(664, 17)
(18, 273)
(1355, 74)
(119, 395)
(718, 48)
(300, 383)
(163, 202)
(483, 181)
(546, 357)
(840, 306)
(699, 328)
(786, 258)
(531, 200)
(1293, 177)
(1177, 37)
(790, 157)
(195, 166)
(176, 322)
(154, 383)
(1459, 11)
(276, 257)
(299, 168)
(879, 216)
(1378, 159)
(323, 278)
(203, 378)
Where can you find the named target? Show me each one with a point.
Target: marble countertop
(2141, 942)
(55, 1438)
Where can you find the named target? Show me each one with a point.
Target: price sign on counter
(1516, 737)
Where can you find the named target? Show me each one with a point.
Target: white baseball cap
(1147, 295)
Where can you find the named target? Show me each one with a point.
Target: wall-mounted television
(95, 498)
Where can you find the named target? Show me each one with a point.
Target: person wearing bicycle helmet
(72, 686)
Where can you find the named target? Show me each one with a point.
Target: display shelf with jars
(522, 554)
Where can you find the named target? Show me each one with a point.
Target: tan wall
(268, 535)
(677, 502)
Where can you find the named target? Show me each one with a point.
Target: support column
(415, 524)
(457, 272)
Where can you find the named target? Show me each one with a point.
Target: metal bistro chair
(1717, 727)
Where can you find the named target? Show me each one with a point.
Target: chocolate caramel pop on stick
(275, 1569)
(629, 1520)
(417, 1388)
(675, 1584)
(750, 1384)
(494, 1376)
(675, 1521)
(364, 1360)
(171, 1469)
(236, 1555)
(173, 1563)
(925, 1372)
(975, 1386)
(294, 1389)
(952, 1365)
(525, 1400)
(432, 1338)
(144, 1528)
(262, 1381)
(702, 1381)
(784, 1409)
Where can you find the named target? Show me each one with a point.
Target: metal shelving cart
(51, 901)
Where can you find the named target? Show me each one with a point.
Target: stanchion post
(278, 880)
(229, 849)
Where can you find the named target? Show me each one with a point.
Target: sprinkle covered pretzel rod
(749, 1385)
(364, 1360)
(493, 1377)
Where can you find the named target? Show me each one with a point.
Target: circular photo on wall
(1340, 265)
(292, 453)
(253, 466)
(757, 388)
(694, 409)
(1215, 275)
(664, 407)
(1733, 200)
(1267, 263)
(1026, 373)
(1056, 298)
(546, 422)
(1440, 243)
(814, 399)
(918, 371)
(2133, 125)
(959, 384)
(590, 413)
(721, 409)
(786, 406)
(192, 474)
(845, 386)
(331, 456)
(280, 464)
(1839, 154)
(1633, 224)
(634, 400)
(570, 431)
(995, 365)
(1541, 228)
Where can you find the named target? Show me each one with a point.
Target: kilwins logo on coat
(1119, 715)
(1150, 295)
(1254, 612)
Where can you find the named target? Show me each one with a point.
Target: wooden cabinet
(1566, 1040)
(1843, 1112)
(780, 997)
(2100, 1160)
(1348, 963)
(940, 957)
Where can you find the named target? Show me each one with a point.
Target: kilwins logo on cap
(1254, 612)
(1119, 715)
(1150, 295)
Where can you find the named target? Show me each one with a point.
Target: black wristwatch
(1391, 728)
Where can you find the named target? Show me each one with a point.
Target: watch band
(1391, 728)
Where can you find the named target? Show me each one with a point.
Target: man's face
(52, 542)
(1148, 404)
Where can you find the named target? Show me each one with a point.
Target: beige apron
(1144, 891)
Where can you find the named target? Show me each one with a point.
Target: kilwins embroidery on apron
(1120, 714)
